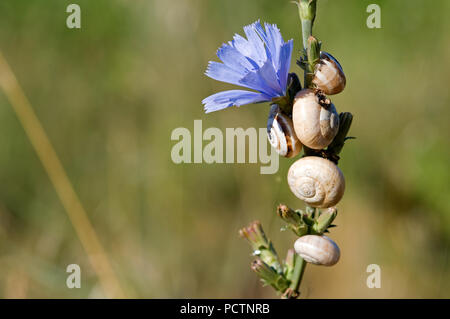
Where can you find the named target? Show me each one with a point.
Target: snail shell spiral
(317, 181)
(315, 125)
(318, 250)
(281, 134)
(329, 76)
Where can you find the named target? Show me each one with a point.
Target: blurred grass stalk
(63, 187)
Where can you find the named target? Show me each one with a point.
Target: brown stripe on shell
(329, 75)
(281, 133)
(286, 128)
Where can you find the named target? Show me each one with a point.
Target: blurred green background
(110, 94)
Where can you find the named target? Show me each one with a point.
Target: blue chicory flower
(261, 63)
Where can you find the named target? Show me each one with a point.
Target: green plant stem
(307, 13)
(306, 32)
(299, 269)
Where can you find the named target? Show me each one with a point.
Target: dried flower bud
(261, 245)
(293, 219)
(269, 275)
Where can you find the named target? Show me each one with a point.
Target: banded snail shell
(318, 250)
(329, 76)
(317, 181)
(315, 125)
(281, 134)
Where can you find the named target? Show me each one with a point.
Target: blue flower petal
(255, 42)
(226, 99)
(285, 63)
(264, 80)
(224, 73)
(261, 62)
(246, 49)
(273, 41)
(232, 58)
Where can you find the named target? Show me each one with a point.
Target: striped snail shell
(328, 75)
(315, 125)
(317, 181)
(281, 134)
(318, 250)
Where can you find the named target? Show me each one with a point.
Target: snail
(317, 181)
(328, 75)
(281, 135)
(318, 250)
(316, 121)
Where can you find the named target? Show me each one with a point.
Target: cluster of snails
(313, 124)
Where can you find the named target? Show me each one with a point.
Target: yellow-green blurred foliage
(110, 94)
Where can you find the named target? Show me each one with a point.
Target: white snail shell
(328, 75)
(281, 134)
(315, 125)
(317, 181)
(318, 250)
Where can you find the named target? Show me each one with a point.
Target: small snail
(318, 250)
(315, 124)
(317, 181)
(328, 75)
(281, 135)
